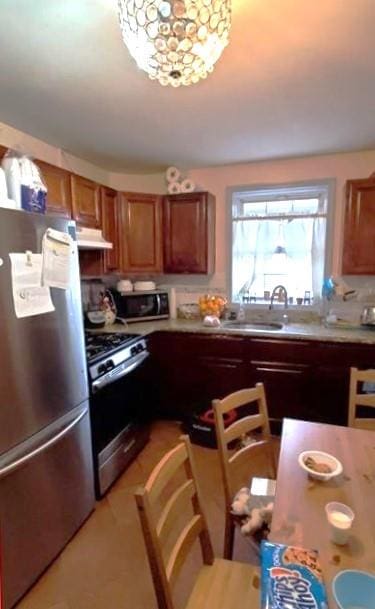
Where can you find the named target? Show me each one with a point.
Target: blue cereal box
(291, 578)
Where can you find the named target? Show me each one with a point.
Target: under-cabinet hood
(92, 239)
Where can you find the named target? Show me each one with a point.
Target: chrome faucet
(279, 288)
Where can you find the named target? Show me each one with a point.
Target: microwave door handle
(158, 304)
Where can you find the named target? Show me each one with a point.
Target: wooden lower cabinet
(189, 371)
(306, 380)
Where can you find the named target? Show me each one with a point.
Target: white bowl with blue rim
(354, 589)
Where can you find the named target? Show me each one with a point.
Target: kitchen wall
(22, 142)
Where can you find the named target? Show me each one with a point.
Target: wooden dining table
(299, 516)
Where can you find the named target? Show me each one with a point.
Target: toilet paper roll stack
(176, 184)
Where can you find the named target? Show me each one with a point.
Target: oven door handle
(106, 379)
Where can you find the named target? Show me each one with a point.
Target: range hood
(91, 239)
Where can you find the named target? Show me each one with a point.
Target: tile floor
(105, 565)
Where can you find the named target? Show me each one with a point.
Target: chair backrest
(360, 399)
(166, 565)
(254, 422)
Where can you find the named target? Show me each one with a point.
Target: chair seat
(226, 585)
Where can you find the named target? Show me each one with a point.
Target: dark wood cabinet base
(303, 379)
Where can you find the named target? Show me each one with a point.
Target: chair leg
(229, 537)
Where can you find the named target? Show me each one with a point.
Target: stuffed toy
(254, 518)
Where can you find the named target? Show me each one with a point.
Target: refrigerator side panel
(43, 367)
(42, 504)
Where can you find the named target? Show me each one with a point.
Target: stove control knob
(109, 365)
(140, 348)
(133, 351)
(101, 369)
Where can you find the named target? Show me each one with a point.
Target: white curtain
(254, 243)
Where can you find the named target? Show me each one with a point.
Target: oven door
(119, 424)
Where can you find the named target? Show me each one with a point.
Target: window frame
(328, 183)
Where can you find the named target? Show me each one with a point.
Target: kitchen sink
(253, 325)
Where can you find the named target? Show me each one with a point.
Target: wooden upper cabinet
(59, 194)
(189, 233)
(86, 201)
(141, 233)
(110, 227)
(359, 231)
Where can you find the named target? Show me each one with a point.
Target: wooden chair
(360, 399)
(230, 459)
(220, 584)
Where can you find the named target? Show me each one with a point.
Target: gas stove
(112, 355)
(100, 344)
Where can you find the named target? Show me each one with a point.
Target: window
(279, 237)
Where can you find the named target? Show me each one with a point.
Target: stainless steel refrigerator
(46, 476)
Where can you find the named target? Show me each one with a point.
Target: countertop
(295, 331)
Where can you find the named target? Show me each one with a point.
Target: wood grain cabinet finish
(303, 379)
(59, 194)
(359, 231)
(189, 233)
(110, 227)
(86, 201)
(140, 233)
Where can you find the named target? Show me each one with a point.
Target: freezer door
(43, 366)
(46, 492)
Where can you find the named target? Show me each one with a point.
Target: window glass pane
(279, 207)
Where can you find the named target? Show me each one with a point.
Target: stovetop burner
(102, 344)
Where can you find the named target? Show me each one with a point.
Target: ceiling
(297, 78)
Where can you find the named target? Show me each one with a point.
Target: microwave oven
(142, 306)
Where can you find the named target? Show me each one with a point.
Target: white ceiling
(297, 78)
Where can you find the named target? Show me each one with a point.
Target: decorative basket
(212, 305)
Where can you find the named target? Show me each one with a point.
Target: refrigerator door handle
(10, 467)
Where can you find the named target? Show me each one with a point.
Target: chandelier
(177, 42)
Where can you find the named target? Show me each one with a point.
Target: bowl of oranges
(212, 305)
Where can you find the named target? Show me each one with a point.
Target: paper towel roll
(3, 185)
(172, 174)
(187, 185)
(174, 188)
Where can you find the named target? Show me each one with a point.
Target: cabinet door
(359, 231)
(110, 225)
(189, 233)
(141, 233)
(287, 388)
(86, 201)
(59, 194)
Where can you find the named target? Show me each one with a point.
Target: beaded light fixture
(177, 42)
